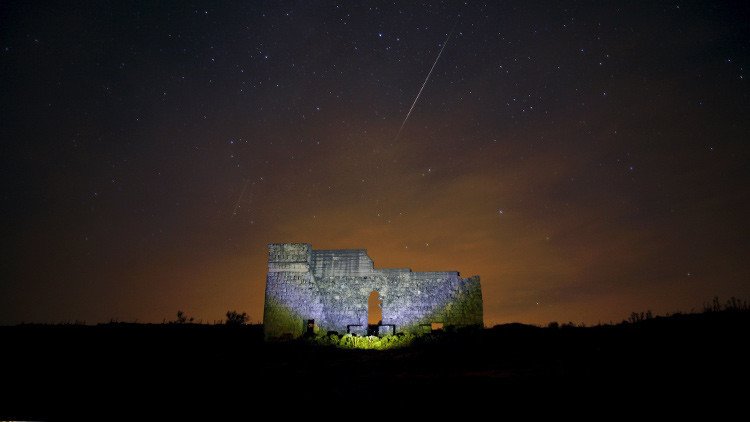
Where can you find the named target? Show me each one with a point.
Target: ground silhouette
(220, 369)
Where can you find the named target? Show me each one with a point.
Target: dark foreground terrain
(679, 364)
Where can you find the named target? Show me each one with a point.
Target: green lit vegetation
(349, 341)
(283, 320)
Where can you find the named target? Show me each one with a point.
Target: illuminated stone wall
(332, 287)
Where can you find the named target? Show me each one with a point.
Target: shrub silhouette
(736, 305)
(182, 318)
(636, 317)
(236, 318)
(732, 305)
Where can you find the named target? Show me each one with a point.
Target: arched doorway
(374, 313)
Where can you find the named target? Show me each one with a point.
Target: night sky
(586, 159)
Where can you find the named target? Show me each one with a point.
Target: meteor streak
(425, 82)
(237, 204)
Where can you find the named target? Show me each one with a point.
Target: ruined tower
(311, 290)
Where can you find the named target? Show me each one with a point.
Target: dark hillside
(124, 368)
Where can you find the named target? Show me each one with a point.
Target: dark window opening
(374, 309)
(374, 313)
(310, 326)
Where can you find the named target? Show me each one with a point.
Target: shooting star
(425, 81)
(237, 204)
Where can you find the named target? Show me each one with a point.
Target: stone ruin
(312, 291)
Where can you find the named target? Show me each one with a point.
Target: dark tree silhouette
(235, 318)
(182, 318)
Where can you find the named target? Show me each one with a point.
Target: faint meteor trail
(425, 82)
(237, 204)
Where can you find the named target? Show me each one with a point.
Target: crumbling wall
(332, 288)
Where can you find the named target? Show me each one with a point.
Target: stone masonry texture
(332, 287)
